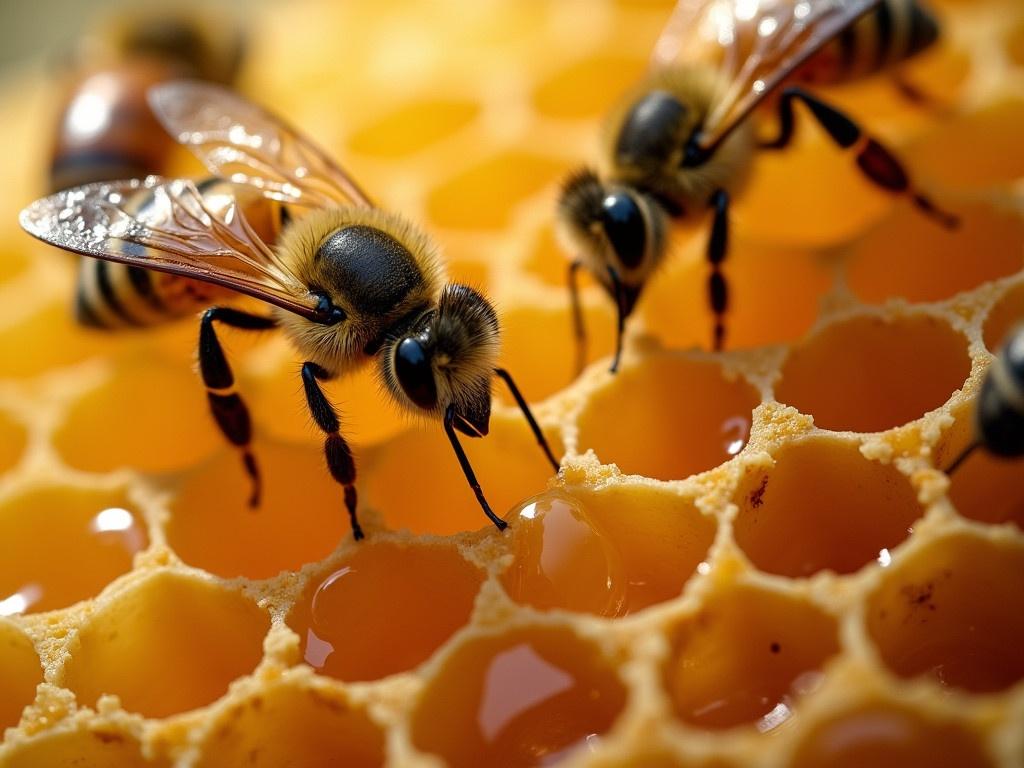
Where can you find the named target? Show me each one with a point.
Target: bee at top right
(681, 143)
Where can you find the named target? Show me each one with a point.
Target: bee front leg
(718, 249)
(226, 405)
(620, 316)
(467, 469)
(578, 327)
(339, 456)
(876, 162)
(542, 441)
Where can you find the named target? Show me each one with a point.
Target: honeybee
(681, 142)
(347, 282)
(999, 413)
(106, 131)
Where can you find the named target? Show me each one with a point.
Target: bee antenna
(505, 376)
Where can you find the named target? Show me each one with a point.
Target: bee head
(447, 358)
(612, 226)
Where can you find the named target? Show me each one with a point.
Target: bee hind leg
(226, 405)
(876, 162)
(336, 450)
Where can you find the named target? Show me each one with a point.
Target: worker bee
(681, 142)
(999, 413)
(347, 282)
(106, 131)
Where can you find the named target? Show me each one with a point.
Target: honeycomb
(748, 559)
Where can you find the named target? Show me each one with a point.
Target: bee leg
(962, 457)
(339, 456)
(875, 161)
(718, 248)
(620, 316)
(226, 405)
(528, 415)
(578, 327)
(467, 469)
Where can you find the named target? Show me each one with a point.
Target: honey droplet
(563, 559)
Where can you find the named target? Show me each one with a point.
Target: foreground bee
(682, 142)
(999, 413)
(348, 282)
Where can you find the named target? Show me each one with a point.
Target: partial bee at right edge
(681, 143)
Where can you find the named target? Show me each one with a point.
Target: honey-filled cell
(1003, 317)
(48, 339)
(527, 697)
(389, 136)
(415, 596)
(953, 612)
(668, 418)
(12, 441)
(96, 747)
(20, 673)
(300, 519)
(167, 645)
(746, 658)
(822, 506)
(889, 736)
(288, 725)
(869, 373)
(64, 545)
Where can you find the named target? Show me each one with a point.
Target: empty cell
(907, 256)
(587, 88)
(20, 673)
(94, 747)
(1001, 319)
(989, 488)
(148, 415)
(871, 374)
(413, 127)
(669, 418)
(484, 195)
(300, 519)
(64, 545)
(12, 441)
(385, 609)
(888, 736)
(167, 645)
(431, 495)
(47, 339)
(285, 725)
(822, 506)
(746, 658)
(953, 612)
(527, 697)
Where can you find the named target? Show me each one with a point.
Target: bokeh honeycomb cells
(752, 558)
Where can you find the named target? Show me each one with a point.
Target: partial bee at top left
(105, 130)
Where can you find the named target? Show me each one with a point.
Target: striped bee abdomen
(891, 32)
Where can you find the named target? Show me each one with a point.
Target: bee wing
(244, 143)
(756, 44)
(177, 233)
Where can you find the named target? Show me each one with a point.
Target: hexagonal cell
(869, 374)
(12, 441)
(988, 488)
(295, 727)
(953, 611)
(144, 402)
(434, 120)
(65, 545)
(484, 195)
(93, 747)
(822, 506)
(668, 418)
(1001, 319)
(527, 697)
(385, 609)
(909, 256)
(610, 552)
(746, 657)
(430, 495)
(888, 736)
(570, 93)
(941, 155)
(301, 517)
(167, 645)
(47, 339)
(20, 673)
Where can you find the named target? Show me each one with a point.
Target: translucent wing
(243, 143)
(755, 44)
(176, 232)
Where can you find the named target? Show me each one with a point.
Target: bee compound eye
(415, 374)
(625, 227)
